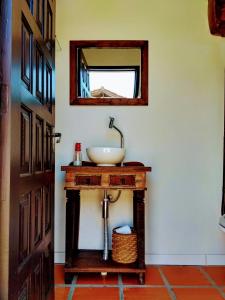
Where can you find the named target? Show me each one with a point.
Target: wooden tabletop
(105, 169)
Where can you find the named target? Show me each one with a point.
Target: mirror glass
(109, 72)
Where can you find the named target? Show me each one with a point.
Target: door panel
(24, 227)
(37, 220)
(48, 147)
(37, 282)
(25, 141)
(39, 140)
(39, 74)
(49, 27)
(32, 158)
(48, 95)
(24, 292)
(47, 208)
(48, 270)
(40, 8)
(26, 51)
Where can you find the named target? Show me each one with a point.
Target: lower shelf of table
(91, 261)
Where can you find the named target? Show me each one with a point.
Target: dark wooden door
(32, 150)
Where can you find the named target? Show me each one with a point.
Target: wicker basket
(124, 247)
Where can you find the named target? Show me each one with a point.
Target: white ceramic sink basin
(106, 156)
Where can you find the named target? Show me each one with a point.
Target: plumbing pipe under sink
(105, 215)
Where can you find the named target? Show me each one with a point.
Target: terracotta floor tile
(97, 278)
(217, 273)
(146, 294)
(96, 293)
(61, 293)
(59, 274)
(184, 275)
(153, 276)
(197, 294)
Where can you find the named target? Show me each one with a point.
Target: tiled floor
(162, 283)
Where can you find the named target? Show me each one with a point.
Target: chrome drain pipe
(105, 215)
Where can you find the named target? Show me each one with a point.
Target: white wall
(179, 134)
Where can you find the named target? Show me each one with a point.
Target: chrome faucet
(111, 125)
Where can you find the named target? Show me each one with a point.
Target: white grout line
(151, 286)
(192, 287)
(171, 286)
(168, 286)
(62, 285)
(90, 285)
(130, 286)
(213, 283)
(120, 281)
(72, 288)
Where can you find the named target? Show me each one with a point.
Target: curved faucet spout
(121, 137)
(111, 122)
(111, 125)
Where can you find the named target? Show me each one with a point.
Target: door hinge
(56, 135)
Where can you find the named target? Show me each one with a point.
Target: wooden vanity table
(105, 178)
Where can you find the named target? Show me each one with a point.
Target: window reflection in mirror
(109, 72)
(118, 82)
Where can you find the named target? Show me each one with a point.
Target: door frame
(5, 69)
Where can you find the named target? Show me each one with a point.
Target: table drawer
(122, 180)
(87, 180)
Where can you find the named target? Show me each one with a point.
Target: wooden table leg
(68, 277)
(139, 225)
(72, 228)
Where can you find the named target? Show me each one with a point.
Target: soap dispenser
(77, 160)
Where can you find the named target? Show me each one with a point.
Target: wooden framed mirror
(109, 72)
